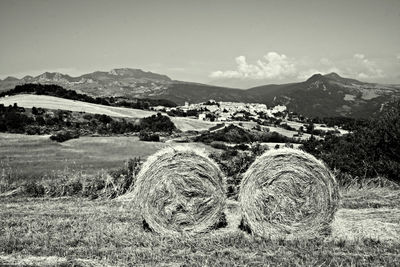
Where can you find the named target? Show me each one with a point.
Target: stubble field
(76, 231)
(68, 231)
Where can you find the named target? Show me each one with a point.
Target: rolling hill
(329, 95)
(51, 102)
(320, 95)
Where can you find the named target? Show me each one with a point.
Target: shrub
(34, 189)
(147, 136)
(63, 136)
(233, 163)
(157, 123)
(218, 145)
(369, 151)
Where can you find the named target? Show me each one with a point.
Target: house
(278, 108)
(158, 108)
(202, 116)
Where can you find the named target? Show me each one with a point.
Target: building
(202, 116)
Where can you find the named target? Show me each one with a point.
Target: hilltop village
(227, 111)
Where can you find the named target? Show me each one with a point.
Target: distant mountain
(117, 82)
(329, 95)
(321, 95)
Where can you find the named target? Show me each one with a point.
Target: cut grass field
(51, 102)
(34, 156)
(68, 231)
(76, 231)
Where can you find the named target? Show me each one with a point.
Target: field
(68, 231)
(77, 231)
(51, 102)
(34, 156)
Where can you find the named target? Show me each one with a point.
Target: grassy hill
(50, 102)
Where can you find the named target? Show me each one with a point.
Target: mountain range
(320, 95)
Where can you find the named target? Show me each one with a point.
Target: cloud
(366, 68)
(359, 56)
(398, 57)
(323, 66)
(271, 66)
(275, 67)
(303, 75)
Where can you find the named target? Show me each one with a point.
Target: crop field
(68, 231)
(78, 231)
(34, 156)
(51, 102)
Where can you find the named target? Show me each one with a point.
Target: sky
(231, 43)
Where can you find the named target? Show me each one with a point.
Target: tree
(310, 127)
(371, 150)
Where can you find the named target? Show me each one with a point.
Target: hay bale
(180, 190)
(288, 192)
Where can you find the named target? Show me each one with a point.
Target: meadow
(78, 231)
(33, 156)
(81, 232)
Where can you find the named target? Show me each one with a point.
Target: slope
(50, 102)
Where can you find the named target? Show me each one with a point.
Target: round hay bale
(288, 192)
(180, 190)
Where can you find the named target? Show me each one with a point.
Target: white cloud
(398, 57)
(271, 66)
(303, 75)
(359, 56)
(366, 68)
(275, 67)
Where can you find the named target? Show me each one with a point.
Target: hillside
(50, 102)
(320, 96)
(329, 95)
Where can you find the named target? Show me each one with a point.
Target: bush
(287, 127)
(63, 136)
(238, 135)
(157, 123)
(233, 163)
(369, 151)
(218, 145)
(146, 136)
(33, 189)
(242, 147)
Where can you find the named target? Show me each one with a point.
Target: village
(253, 116)
(226, 111)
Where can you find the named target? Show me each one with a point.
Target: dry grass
(51, 102)
(67, 231)
(179, 190)
(288, 192)
(36, 156)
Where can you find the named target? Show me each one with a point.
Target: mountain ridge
(320, 95)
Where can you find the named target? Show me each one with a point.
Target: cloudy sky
(233, 43)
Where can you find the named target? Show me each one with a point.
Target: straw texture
(180, 190)
(288, 192)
